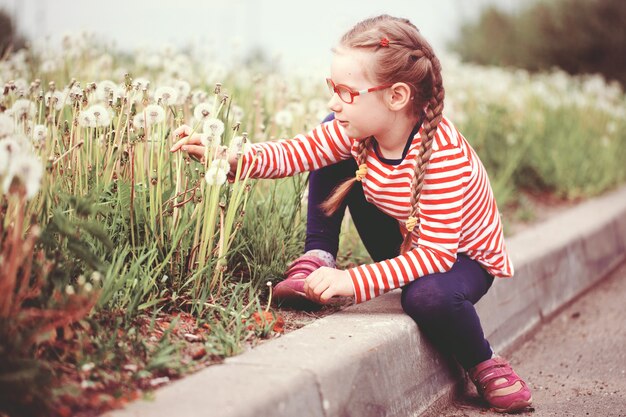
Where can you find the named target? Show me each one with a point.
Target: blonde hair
(405, 57)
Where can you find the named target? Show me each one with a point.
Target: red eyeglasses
(346, 94)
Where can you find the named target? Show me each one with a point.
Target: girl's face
(367, 115)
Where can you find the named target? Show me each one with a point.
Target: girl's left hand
(325, 283)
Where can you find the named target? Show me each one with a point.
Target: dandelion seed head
(6, 125)
(183, 89)
(101, 115)
(213, 126)
(167, 96)
(215, 176)
(96, 276)
(202, 111)
(23, 109)
(140, 83)
(237, 113)
(88, 287)
(139, 121)
(69, 290)
(40, 132)
(105, 89)
(81, 280)
(284, 118)
(221, 164)
(27, 170)
(199, 96)
(55, 99)
(86, 118)
(154, 114)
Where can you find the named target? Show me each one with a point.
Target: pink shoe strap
(304, 265)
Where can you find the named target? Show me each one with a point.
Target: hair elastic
(411, 222)
(361, 172)
(384, 42)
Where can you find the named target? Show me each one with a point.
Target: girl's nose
(334, 103)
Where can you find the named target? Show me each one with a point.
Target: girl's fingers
(182, 131)
(189, 140)
(195, 151)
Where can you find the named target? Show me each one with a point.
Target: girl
(419, 196)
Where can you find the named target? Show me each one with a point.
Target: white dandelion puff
(221, 164)
(210, 140)
(166, 96)
(101, 115)
(183, 89)
(40, 132)
(86, 118)
(27, 170)
(213, 127)
(199, 96)
(139, 121)
(215, 176)
(69, 290)
(9, 147)
(140, 83)
(284, 118)
(154, 114)
(6, 125)
(237, 113)
(105, 89)
(23, 108)
(55, 99)
(202, 112)
(237, 146)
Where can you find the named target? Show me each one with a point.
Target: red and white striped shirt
(457, 207)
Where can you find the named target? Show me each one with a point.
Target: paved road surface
(575, 364)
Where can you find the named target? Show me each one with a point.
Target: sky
(298, 32)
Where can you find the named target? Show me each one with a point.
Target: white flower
(237, 146)
(69, 290)
(23, 108)
(96, 276)
(284, 118)
(237, 113)
(6, 125)
(221, 164)
(202, 111)
(296, 108)
(139, 121)
(105, 89)
(215, 176)
(27, 170)
(213, 127)
(55, 99)
(101, 115)
(209, 140)
(167, 96)
(86, 118)
(183, 88)
(199, 96)
(154, 114)
(140, 83)
(39, 133)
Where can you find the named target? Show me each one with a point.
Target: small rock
(192, 337)
(131, 367)
(159, 381)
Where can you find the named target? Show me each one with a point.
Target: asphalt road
(575, 364)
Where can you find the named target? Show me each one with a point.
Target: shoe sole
(516, 406)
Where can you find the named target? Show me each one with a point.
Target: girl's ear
(399, 96)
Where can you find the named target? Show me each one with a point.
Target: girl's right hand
(190, 144)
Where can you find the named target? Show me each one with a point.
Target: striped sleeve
(441, 212)
(324, 145)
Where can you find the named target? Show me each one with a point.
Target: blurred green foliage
(578, 36)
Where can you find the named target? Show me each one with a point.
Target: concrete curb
(371, 360)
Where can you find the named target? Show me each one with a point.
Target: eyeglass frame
(334, 89)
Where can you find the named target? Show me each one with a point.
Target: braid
(433, 117)
(338, 195)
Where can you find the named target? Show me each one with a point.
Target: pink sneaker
(290, 292)
(500, 386)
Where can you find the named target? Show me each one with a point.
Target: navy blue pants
(441, 304)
